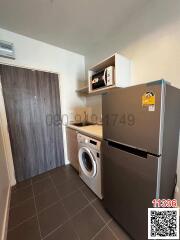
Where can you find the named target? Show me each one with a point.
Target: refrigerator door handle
(122, 147)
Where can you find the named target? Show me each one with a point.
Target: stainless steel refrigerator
(139, 151)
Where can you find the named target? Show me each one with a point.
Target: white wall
(95, 103)
(152, 40)
(34, 54)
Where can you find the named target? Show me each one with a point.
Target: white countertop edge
(82, 130)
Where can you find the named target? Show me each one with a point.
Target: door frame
(6, 139)
(4, 123)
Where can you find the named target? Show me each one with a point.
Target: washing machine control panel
(91, 142)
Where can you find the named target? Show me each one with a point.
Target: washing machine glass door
(87, 162)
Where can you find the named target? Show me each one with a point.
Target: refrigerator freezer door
(132, 117)
(129, 185)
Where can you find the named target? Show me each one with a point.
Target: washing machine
(90, 163)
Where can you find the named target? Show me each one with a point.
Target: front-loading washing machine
(90, 163)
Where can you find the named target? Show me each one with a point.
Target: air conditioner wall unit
(7, 50)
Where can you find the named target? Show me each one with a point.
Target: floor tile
(88, 193)
(105, 234)
(21, 185)
(99, 207)
(22, 212)
(40, 177)
(62, 176)
(45, 199)
(86, 220)
(27, 231)
(21, 195)
(56, 170)
(67, 188)
(65, 232)
(87, 223)
(70, 171)
(51, 218)
(59, 178)
(42, 186)
(74, 202)
(79, 182)
(118, 231)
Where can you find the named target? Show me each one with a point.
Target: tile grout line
(114, 234)
(90, 203)
(40, 180)
(54, 186)
(21, 202)
(50, 205)
(42, 210)
(53, 231)
(25, 220)
(36, 211)
(68, 195)
(98, 212)
(64, 209)
(19, 224)
(34, 196)
(50, 233)
(105, 225)
(21, 188)
(69, 218)
(30, 185)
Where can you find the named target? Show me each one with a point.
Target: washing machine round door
(87, 162)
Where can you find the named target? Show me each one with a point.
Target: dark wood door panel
(31, 96)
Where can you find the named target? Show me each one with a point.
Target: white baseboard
(6, 215)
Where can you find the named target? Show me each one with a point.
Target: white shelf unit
(122, 74)
(83, 90)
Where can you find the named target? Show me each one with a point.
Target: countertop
(91, 130)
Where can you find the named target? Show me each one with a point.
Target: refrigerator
(139, 151)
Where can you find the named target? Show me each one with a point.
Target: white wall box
(122, 72)
(7, 49)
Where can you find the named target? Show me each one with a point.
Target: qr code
(163, 223)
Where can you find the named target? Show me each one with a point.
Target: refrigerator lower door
(129, 119)
(129, 185)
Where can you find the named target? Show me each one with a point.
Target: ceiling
(76, 25)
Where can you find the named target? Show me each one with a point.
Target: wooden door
(31, 99)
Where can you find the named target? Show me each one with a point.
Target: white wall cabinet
(122, 72)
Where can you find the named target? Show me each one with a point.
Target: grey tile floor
(57, 205)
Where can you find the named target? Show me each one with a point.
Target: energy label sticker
(148, 100)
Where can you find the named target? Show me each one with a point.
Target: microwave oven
(104, 78)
